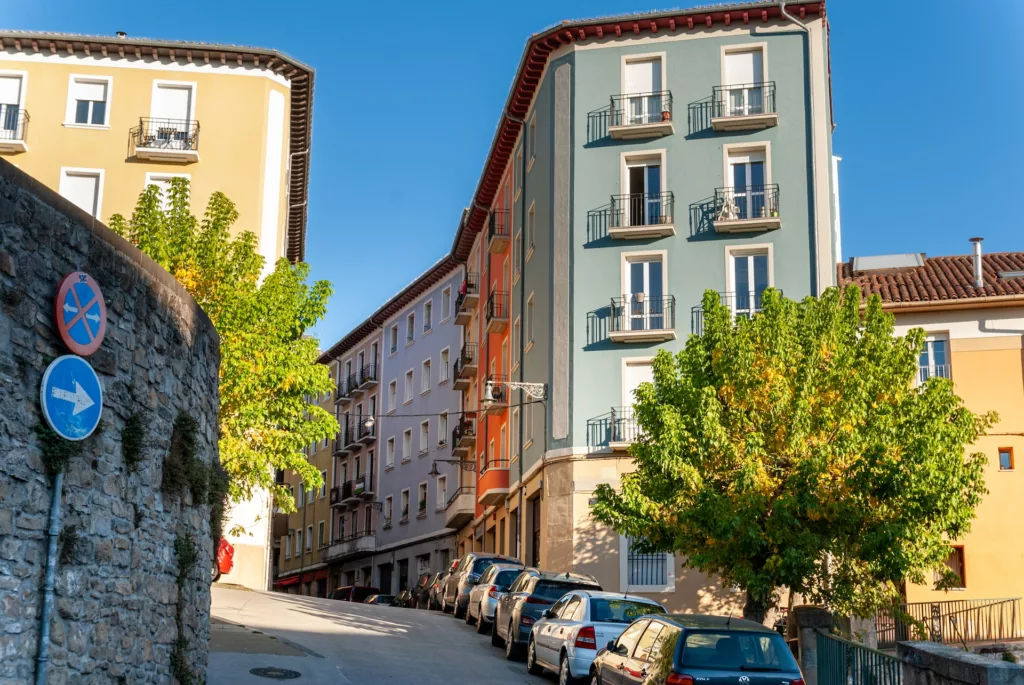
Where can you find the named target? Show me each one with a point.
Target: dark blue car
(690, 649)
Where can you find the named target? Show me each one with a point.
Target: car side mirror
(611, 645)
(549, 614)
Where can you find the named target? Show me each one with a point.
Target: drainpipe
(51, 571)
(814, 173)
(979, 280)
(521, 516)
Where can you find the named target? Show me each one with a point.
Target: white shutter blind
(172, 103)
(743, 68)
(90, 90)
(643, 77)
(634, 375)
(10, 90)
(81, 189)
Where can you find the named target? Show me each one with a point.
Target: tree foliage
(795, 449)
(268, 364)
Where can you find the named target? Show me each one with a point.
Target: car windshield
(552, 591)
(505, 578)
(621, 610)
(737, 651)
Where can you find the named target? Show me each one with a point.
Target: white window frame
(644, 157)
(84, 171)
(422, 489)
(69, 111)
(406, 445)
(531, 229)
(528, 420)
(301, 502)
(442, 491)
(503, 446)
(389, 509)
(389, 453)
(930, 338)
(425, 372)
(152, 176)
(410, 328)
(736, 149)
(517, 332)
(531, 142)
(442, 429)
(428, 316)
(761, 47)
(392, 396)
(298, 542)
(23, 77)
(628, 258)
(444, 365)
(513, 437)
(670, 572)
(191, 85)
(516, 182)
(446, 304)
(321, 529)
(393, 343)
(288, 546)
(404, 503)
(410, 384)
(531, 324)
(747, 250)
(323, 487)
(643, 57)
(424, 437)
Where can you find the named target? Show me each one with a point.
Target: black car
(455, 595)
(529, 596)
(379, 599)
(683, 649)
(354, 593)
(401, 599)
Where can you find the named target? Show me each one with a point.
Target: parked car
(438, 586)
(420, 591)
(681, 649)
(530, 595)
(401, 599)
(425, 600)
(379, 599)
(225, 559)
(455, 597)
(354, 593)
(484, 596)
(566, 637)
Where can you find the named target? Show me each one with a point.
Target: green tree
(268, 364)
(795, 450)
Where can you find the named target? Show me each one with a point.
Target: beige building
(97, 118)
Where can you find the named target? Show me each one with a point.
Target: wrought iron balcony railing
(741, 304)
(500, 224)
(368, 374)
(642, 209)
(497, 305)
(13, 123)
(926, 371)
(745, 203)
(638, 312)
(741, 100)
(166, 134)
(638, 109)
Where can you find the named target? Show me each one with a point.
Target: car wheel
(595, 679)
(495, 638)
(511, 648)
(564, 674)
(215, 572)
(444, 605)
(532, 667)
(481, 624)
(469, 617)
(456, 612)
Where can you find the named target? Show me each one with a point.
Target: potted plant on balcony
(666, 115)
(423, 505)
(405, 512)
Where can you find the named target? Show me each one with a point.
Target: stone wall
(930, 663)
(116, 594)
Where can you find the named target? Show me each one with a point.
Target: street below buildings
(334, 642)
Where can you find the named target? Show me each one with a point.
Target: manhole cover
(276, 673)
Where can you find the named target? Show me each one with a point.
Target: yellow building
(97, 118)
(972, 309)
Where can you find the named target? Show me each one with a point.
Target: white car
(569, 634)
(483, 599)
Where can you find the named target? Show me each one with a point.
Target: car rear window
(552, 591)
(480, 565)
(736, 651)
(505, 578)
(361, 593)
(621, 610)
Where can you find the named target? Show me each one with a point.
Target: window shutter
(90, 90)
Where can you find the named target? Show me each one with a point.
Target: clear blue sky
(928, 105)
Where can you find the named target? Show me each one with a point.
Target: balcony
(640, 319)
(500, 403)
(496, 313)
(336, 495)
(641, 115)
(279, 525)
(461, 508)
(463, 437)
(366, 435)
(368, 377)
(350, 434)
(926, 371)
(13, 129)
(642, 215)
(468, 299)
(492, 485)
(347, 388)
(500, 226)
(358, 544)
(742, 304)
(355, 491)
(622, 429)
(747, 210)
(166, 140)
(465, 367)
(744, 107)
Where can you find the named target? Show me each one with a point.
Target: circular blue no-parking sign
(71, 397)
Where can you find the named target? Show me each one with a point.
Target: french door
(645, 184)
(744, 78)
(749, 281)
(747, 174)
(643, 91)
(934, 360)
(645, 294)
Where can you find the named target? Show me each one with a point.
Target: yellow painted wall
(988, 373)
(231, 108)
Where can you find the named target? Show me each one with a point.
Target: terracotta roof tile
(940, 279)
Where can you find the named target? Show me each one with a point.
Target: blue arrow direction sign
(71, 397)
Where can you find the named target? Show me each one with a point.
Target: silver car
(483, 598)
(568, 636)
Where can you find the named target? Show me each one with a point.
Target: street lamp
(467, 465)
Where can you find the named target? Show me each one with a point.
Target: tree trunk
(754, 609)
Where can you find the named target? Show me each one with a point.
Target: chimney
(979, 281)
(122, 34)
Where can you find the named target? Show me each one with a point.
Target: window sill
(528, 444)
(390, 412)
(1006, 470)
(446, 319)
(529, 165)
(408, 343)
(408, 401)
(424, 392)
(441, 444)
(515, 277)
(424, 452)
(515, 367)
(422, 514)
(95, 127)
(426, 331)
(529, 346)
(529, 252)
(404, 520)
(443, 381)
(406, 460)
(393, 353)
(389, 467)
(517, 195)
